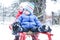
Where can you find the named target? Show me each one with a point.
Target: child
(28, 21)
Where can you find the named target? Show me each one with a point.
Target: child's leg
(16, 37)
(17, 33)
(34, 29)
(25, 29)
(34, 36)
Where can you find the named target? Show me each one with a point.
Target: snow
(6, 33)
(52, 6)
(56, 32)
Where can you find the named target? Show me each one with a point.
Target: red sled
(25, 36)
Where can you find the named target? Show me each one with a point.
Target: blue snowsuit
(29, 21)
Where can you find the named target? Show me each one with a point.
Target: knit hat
(29, 7)
(22, 5)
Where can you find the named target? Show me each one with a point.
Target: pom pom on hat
(23, 4)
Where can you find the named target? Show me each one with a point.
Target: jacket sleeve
(19, 19)
(38, 23)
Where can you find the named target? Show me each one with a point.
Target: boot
(16, 38)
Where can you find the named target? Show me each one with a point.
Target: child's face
(26, 12)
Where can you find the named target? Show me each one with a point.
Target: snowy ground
(5, 33)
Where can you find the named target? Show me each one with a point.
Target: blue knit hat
(29, 7)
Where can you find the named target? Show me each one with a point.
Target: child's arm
(19, 19)
(38, 23)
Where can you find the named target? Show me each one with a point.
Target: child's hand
(44, 28)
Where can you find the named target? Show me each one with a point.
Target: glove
(16, 27)
(44, 28)
(49, 29)
(39, 29)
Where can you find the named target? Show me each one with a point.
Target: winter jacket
(29, 21)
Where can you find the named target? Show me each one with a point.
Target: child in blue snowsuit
(28, 21)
